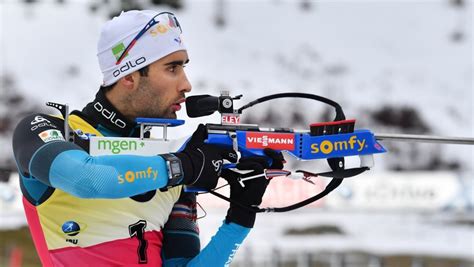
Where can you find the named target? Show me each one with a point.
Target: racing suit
(87, 210)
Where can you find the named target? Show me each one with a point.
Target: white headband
(159, 40)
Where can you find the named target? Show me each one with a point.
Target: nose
(185, 85)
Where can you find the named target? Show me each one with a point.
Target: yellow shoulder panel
(76, 122)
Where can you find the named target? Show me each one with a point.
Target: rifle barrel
(425, 139)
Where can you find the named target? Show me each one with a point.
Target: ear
(130, 81)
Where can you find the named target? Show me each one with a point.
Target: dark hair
(143, 72)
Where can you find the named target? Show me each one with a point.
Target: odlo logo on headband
(117, 51)
(129, 65)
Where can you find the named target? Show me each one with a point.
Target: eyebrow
(177, 62)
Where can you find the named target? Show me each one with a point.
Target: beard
(150, 103)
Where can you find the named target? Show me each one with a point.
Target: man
(84, 210)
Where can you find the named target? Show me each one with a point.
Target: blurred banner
(426, 191)
(395, 191)
(281, 192)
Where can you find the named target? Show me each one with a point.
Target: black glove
(250, 195)
(202, 163)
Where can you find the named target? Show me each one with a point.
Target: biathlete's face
(161, 93)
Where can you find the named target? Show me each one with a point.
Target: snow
(11, 208)
(44, 43)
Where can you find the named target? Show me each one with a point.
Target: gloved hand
(202, 163)
(250, 195)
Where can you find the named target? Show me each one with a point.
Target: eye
(172, 68)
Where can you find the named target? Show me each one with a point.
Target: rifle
(332, 141)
